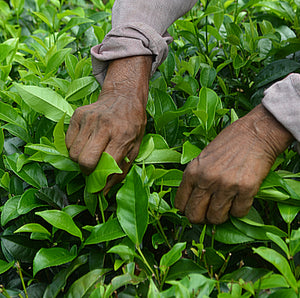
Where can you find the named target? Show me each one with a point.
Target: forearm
(129, 78)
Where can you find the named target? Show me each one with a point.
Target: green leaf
(10, 211)
(91, 201)
(54, 196)
(33, 228)
(46, 102)
(28, 201)
(124, 251)
(279, 262)
(56, 60)
(132, 209)
(10, 115)
(207, 76)
(189, 152)
(80, 88)
(4, 266)
(60, 280)
(208, 103)
(75, 22)
(108, 231)
(84, 284)
(172, 256)
(276, 239)
(17, 131)
(163, 156)
(105, 167)
(288, 212)
(74, 210)
(1, 140)
(59, 137)
(270, 281)
(48, 257)
(61, 220)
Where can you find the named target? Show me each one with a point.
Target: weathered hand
(116, 122)
(227, 174)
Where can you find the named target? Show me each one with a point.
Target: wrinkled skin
(116, 122)
(222, 180)
(227, 174)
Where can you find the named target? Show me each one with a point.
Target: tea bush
(61, 237)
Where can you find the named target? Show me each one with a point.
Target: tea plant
(61, 237)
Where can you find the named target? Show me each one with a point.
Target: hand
(116, 122)
(227, 174)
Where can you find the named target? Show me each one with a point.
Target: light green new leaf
(45, 101)
(172, 256)
(132, 210)
(33, 228)
(207, 76)
(163, 156)
(85, 283)
(48, 257)
(4, 266)
(288, 212)
(61, 220)
(106, 166)
(279, 262)
(208, 103)
(108, 231)
(189, 152)
(124, 251)
(31, 173)
(80, 88)
(56, 60)
(59, 137)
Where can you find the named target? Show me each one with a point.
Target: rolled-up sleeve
(139, 27)
(282, 100)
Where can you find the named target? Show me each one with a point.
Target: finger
(197, 205)
(241, 204)
(72, 132)
(183, 193)
(80, 141)
(91, 152)
(219, 207)
(124, 166)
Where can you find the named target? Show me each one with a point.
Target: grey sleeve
(282, 100)
(139, 27)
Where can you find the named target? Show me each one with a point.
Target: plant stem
(163, 233)
(3, 292)
(22, 279)
(213, 236)
(145, 261)
(100, 196)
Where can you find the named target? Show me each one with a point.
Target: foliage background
(59, 239)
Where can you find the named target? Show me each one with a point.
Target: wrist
(129, 77)
(268, 130)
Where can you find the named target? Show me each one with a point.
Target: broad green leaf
(172, 256)
(163, 156)
(286, 293)
(33, 228)
(53, 196)
(74, 210)
(17, 131)
(207, 76)
(80, 88)
(132, 209)
(10, 115)
(153, 290)
(91, 201)
(46, 102)
(56, 60)
(169, 177)
(105, 167)
(60, 84)
(295, 242)
(84, 284)
(10, 211)
(28, 201)
(277, 260)
(270, 281)
(1, 140)
(288, 212)
(59, 137)
(276, 239)
(208, 103)
(189, 152)
(4, 266)
(61, 220)
(146, 148)
(187, 84)
(108, 231)
(124, 251)
(75, 22)
(48, 257)
(60, 279)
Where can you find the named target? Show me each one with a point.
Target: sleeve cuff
(135, 39)
(282, 100)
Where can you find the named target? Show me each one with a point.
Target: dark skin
(221, 181)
